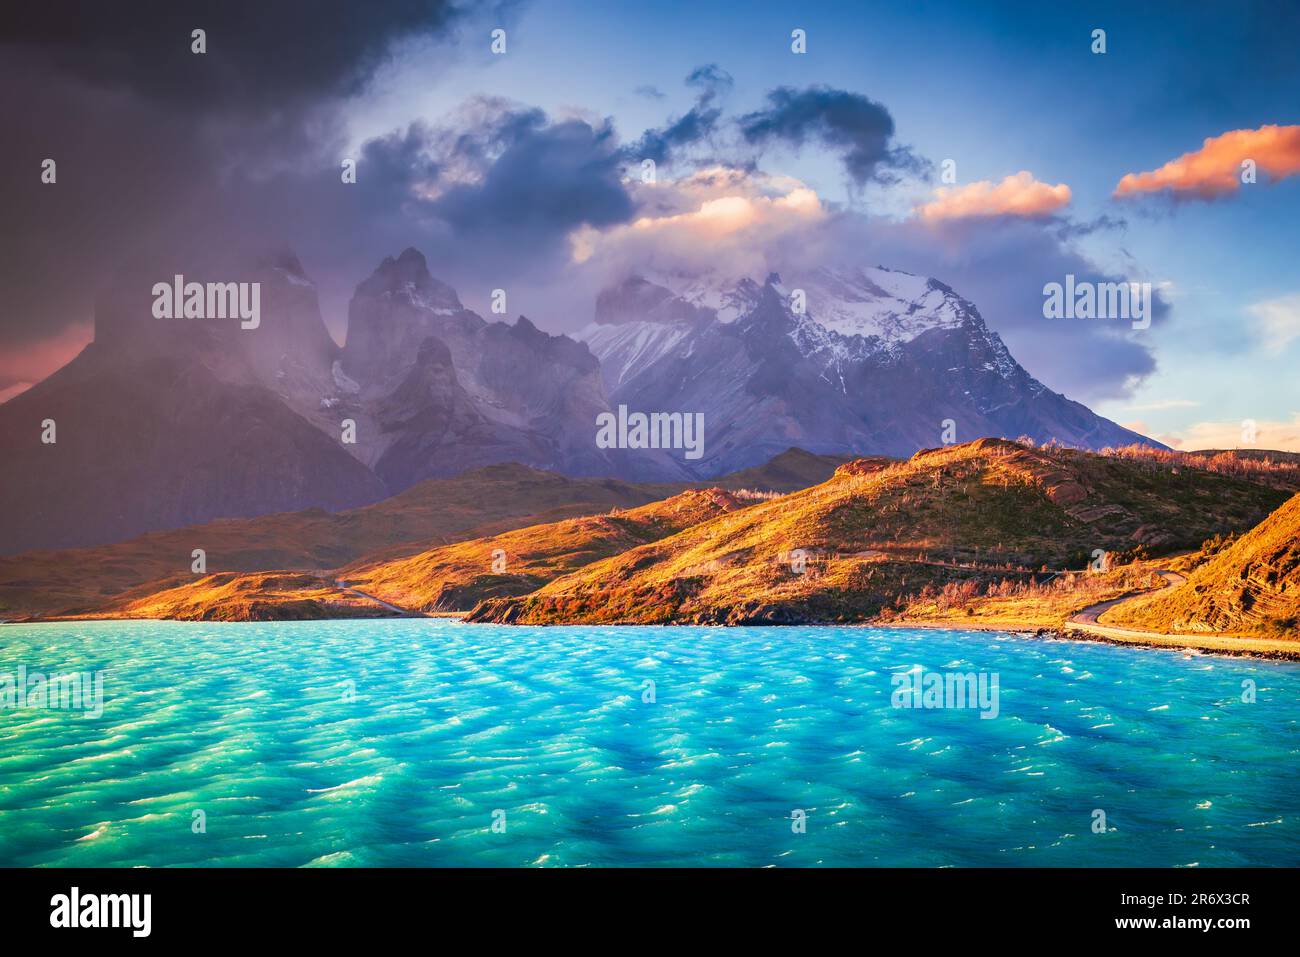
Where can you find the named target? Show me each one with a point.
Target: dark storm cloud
(860, 128)
(393, 166)
(163, 153)
(544, 180)
(700, 122)
(260, 55)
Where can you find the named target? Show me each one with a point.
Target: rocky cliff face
(870, 361)
(439, 389)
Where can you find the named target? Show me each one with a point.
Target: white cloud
(730, 219)
(1277, 321)
(1283, 436)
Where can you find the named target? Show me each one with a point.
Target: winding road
(404, 612)
(1086, 619)
(1089, 615)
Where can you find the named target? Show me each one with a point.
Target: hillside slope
(255, 596)
(481, 502)
(1250, 587)
(449, 578)
(435, 512)
(876, 533)
(456, 577)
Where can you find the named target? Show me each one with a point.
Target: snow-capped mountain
(844, 362)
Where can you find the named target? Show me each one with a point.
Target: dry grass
(880, 532)
(457, 577)
(1281, 469)
(483, 502)
(262, 596)
(1025, 604)
(1249, 585)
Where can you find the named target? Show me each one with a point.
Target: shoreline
(1233, 646)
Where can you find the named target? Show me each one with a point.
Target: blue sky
(998, 88)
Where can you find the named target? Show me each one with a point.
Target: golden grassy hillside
(1250, 587)
(456, 577)
(478, 503)
(878, 533)
(1023, 602)
(439, 511)
(256, 596)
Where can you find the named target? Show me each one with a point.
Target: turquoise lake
(399, 743)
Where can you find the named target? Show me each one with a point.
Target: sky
(522, 168)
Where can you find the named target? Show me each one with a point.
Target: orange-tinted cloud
(1215, 169)
(1018, 195)
(18, 388)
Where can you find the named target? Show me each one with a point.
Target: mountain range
(841, 362)
(166, 423)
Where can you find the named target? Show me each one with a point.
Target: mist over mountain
(161, 423)
(436, 389)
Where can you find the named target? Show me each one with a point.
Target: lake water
(400, 743)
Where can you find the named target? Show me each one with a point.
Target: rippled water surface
(256, 726)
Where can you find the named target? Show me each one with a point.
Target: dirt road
(1087, 618)
(404, 612)
(1084, 624)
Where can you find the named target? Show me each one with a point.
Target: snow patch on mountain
(850, 316)
(626, 349)
(882, 303)
(436, 303)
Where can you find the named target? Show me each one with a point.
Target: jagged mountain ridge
(438, 389)
(875, 363)
(163, 423)
(183, 421)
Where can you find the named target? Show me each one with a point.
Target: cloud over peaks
(1018, 195)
